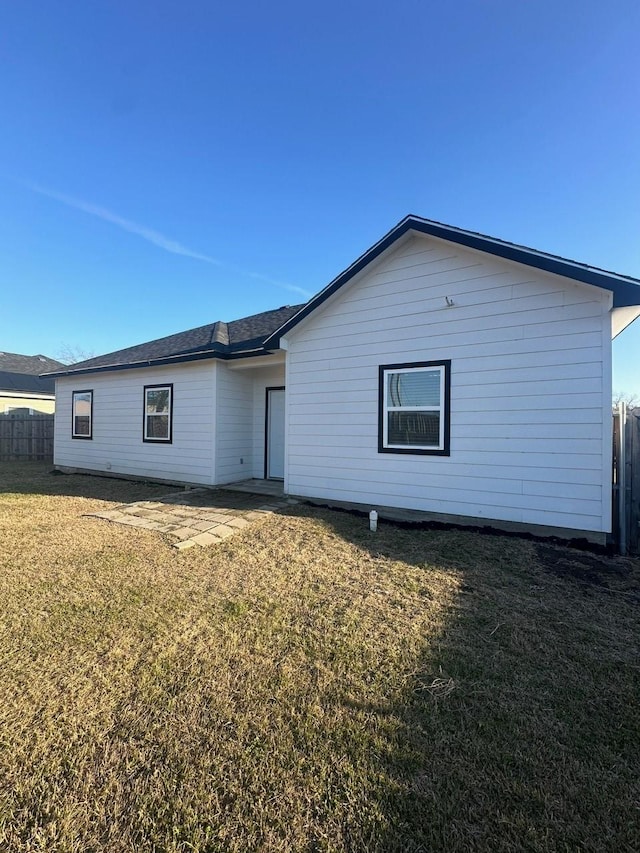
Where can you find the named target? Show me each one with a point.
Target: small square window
(82, 414)
(158, 413)
(414, 408)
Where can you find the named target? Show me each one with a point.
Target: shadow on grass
(519, 728)
(38, 478)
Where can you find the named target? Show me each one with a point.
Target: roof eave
(166, 360)
(30, 395)
(525, 255)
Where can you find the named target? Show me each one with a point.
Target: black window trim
(168, 440)
(416, 451)
(73, 415)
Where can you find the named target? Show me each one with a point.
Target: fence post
(633, 463)
(622, 477)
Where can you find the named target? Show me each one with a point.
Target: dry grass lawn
(307, 685)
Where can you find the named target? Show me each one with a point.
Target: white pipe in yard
(622, 476)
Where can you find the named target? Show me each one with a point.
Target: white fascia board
(28, 395)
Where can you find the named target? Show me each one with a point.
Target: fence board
(631, 480)
(615, 515)
(26, 438)
(633, 534)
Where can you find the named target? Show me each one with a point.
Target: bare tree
(69, 354)
(631, 398)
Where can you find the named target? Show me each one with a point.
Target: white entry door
(274, 452)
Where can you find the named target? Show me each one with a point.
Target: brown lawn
(307, 685)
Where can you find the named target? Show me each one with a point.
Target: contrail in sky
(155, 237)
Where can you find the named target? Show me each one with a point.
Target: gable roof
(33, 365)
(235, 339)
(261, 333)
(25, 382)
(626, 290)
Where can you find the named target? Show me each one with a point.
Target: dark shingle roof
(215, 339)
(13, 382)
(34, 365)
(250, 332)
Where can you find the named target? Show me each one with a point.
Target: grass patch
(307, 685)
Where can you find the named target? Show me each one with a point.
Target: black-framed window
(82, 414)
(158, 413)
(414, 407)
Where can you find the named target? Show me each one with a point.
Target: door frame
(267, 391)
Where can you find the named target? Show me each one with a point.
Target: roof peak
(454, 229)
(625, 289)
(220, 333)
(244, 336)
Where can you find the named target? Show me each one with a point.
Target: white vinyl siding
(118, 445)
(241, 408)
(218, 423)
(234, 420)
(530, 377)
(241, 401)
(263, 378)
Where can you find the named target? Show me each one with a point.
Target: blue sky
(164, 165)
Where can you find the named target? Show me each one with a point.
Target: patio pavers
(196, 516)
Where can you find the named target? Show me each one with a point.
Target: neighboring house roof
(215, 340)
(25, 382)
(34, 365)
(626, 290)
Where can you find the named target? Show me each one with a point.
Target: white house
(444, 371)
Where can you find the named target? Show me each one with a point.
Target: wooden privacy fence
(26, 438)
(626, 480)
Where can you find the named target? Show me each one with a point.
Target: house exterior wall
(530, 389)
(234, 422)
(268, 377)
(39, 405)
(117, 446)
(218, 423)
(241, 402)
